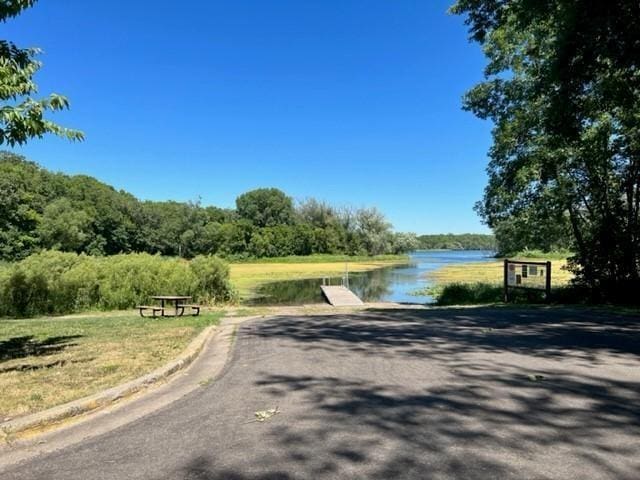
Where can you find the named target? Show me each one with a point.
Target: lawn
(247, 276)
(49, 361)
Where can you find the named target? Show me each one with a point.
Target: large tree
(562, 86)
(21, 115)
(266, 207)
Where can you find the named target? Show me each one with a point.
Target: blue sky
(354, 102)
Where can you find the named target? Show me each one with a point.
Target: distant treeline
(41, 210)
(451, 241)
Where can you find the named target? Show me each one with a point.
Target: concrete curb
(107, 397)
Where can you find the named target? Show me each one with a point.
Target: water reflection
(393, 284)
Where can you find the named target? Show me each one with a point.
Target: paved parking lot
(473, 393)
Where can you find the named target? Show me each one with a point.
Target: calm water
(393, 284)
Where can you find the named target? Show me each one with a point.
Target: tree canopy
(45, 210)
(265, 207)
(562, 87)
(22, 116)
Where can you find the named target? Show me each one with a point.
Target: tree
(538, 227)
(44, 210)
(21, 115)
(64, 227)
(562, 86)
(317, 213)
(452, 241)
(374, 231)
(24, 192)
(405, 242)
(265, 207)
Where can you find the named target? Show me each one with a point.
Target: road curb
(107, 397)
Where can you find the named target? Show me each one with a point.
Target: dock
(340, 296)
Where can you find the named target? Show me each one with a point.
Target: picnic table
(179, 304)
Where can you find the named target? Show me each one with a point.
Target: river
(390, 284)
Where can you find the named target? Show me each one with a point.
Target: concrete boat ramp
(340, 296)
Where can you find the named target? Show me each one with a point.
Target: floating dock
(340, 296)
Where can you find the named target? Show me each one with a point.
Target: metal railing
(326, 281)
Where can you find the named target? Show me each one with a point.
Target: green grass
(468, 294)
(540, 255)
(49, 361)
(487, 293)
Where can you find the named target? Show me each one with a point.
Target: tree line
(453, 241)
(42, 210)
(562, 89)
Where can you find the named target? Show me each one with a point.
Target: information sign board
(528, 275)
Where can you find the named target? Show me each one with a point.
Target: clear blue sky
(354, 102)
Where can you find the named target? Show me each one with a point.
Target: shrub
(212, 279)
(54, 282)
(470, 294)
(484, 293)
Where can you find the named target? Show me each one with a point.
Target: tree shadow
(26, 367)
(486, 415)
(28, 346)
(202, 468)
(359, 430)
(489, 393)
(552, 332)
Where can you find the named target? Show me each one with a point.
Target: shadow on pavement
(480, 393)
(540, 332)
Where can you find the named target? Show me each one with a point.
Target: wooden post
(346, 274)
(506, 281)
(548, 282)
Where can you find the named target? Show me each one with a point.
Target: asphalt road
(410, 394)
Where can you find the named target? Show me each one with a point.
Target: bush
(212, 279)
(470, 294)
(486, 293)
(54, 282)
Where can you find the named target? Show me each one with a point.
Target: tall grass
(469, 294)
(54, 282)
(480, 293)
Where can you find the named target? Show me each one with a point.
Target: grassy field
(246, 277)
(326, 258)
(49, 361)
(493, 272)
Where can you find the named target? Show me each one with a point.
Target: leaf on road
(263, 415)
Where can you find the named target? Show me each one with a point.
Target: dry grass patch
(493, 273)
(49, 361)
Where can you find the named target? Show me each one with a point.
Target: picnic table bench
(154, 309)
(178, 307)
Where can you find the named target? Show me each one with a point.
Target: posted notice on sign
(526, 275)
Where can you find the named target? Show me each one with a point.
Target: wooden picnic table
(179, 306)
(176, 299)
